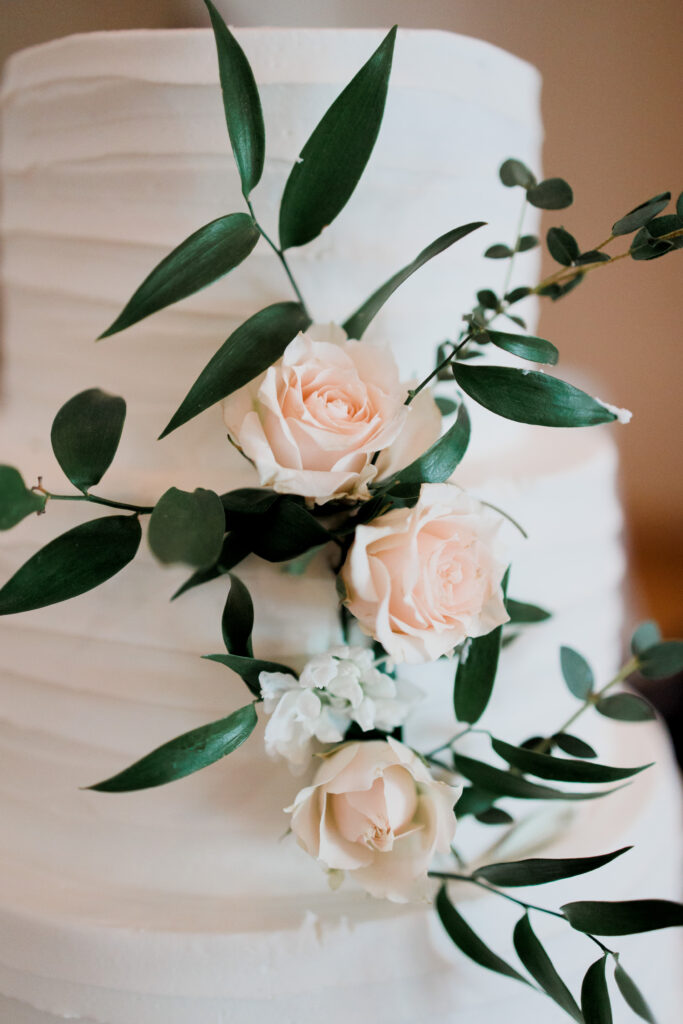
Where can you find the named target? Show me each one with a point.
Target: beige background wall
(611, 101)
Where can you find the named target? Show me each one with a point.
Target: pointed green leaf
(243, 114)
(577, 673)
(562, 246)
(446, 405)
(514, 172)
(591, 256)
(332, 161)
(540, 870)
(73, 563)
(627, 917)
(357, 323)
(538, 350)
(625, 707)
(561, 769)
(468, 942)
(85, 435)
(476, 672)
(474, 801)
(238, 619)
(251, 348)
(284, 529)
(526, 242)
(187, 527)
(662, 660)
(645, 635)
(494, 816)
(16, 500)
(572, 745)
(233, 551)
(498, 252)
(500, 783)
(551, 194)
(522, 613)
(200, 260)
(595, 1003)
(649, 243)
(249, 669)
(632, 994)
(530, 396)
(530, 951)
(439, 461)
(641, 215)
(517, 294)
(185, 754)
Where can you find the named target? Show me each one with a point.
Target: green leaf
(592, 256)
(474, 801)
(284, 530)
(468, 942)
(522, 613)
(577, 673)
(332, 161)
(539, 965)
(679, 205)
(72, 564)
(476, 672)
(530, 396)
(243, 114)
(446, 405)
(649, 243)
(439, 461)
(560, 769)
(251, 348)
(494, 816)
(500, 783)
(625, 707)
(562, 246)
(357, 323)
(626, 917)
(538, 350)
(517, 294)
(249, 500)
(551, 194)
(185, 754)
(540, 871)
(595, 1003)
(233, 551)
(662, 660)
(526, 242)
(200, 260)
(187, 527)
(645, 635)
(641, 215)
(85, 435)
(237, 623)
(514, 172)
(249, 669)
(632, 994)
(16, 500)
(487, 298)
(498, 252)
(572, 745)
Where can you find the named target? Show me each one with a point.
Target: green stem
(449, 744)
(141, 510)
(508, 273)
(506, 515)
(281, 256)
(414, 392)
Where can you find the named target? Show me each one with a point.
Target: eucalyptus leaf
(85, 435)
(523, 613)
(649, 243)
(560, 769)
(626, 917)
(540, 870)
(577, 673)
(16, 500)
(625, 707)
(334, 157)
(647, 634)
(531, 953)
(474, 801)
(237, 622)
(187, 527)
(487, 298)
(249, 500)
(595, 1004)
(251, 348)
(498, 252)
(284, 530)
(243, 114)
(476, 672)
(662, 660)
(562, 246)
(632, 994)
(641, 215)
(529, 396)
(73, 563)
(572, 745)
(446, 405)
(538, 350)
(439, 461)
(233, 551)
(500, 783)
(209, 253)
(494, 816)
(249, 669)
(514, 172)
(517, 294)
(185, 754)
(591, 256)
(551, 194)
(526, 242)
(357, 323)
(468, 942)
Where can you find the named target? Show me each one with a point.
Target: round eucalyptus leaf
(187, 527)
(551, 194)
(16, 500)
(498, 252)
(85, 435)
(591, 256)
(648, 243)
(526, 243)
(641, 214)
(577, 673)
(662, 660)
(487, 298)
(645, 635)
(513, 172)
(562, 246)
(517, 294)
(625, 707)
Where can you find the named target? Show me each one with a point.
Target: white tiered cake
(179, 905)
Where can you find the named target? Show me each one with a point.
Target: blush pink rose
(312, 422)
(420, 580)
(375, 810)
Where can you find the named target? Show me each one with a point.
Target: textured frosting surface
(180, 906)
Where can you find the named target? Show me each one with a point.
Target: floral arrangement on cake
(358, 467)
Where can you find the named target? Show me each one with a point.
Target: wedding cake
(179, 905)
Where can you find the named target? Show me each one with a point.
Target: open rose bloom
(313, 421)
(374, 810)
(421, 580)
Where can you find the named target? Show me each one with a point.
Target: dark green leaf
(573, 746)
(539, 870)
(185, 754)
(501, 783)
(625, 917)
(679, 205)
(476, 672)
(662, 660)
(251, 348)
(249, 669)
(468, 942)
(577, 673)
(440, 460)
(527, 242)
(498, 252)
(560, 769)
(200, 260)
(641, 215)
(568, 286)
(529, 396)
(516, 320)
(517, 294)
(487, 299)
(233, 551)
(562, 246)
(243, 114)
(645, 635)
(357, 323)
(521, 612)
(514, 172)
(551, 194)
(494, 816)
(538, 350)
(625, 707)
(85, 435)
(332, 161)
(284, 530)
(592, 256)
(249, 500)
(16, 500)
(238, 619)
(474, 801)
(187, 527)
(595, 1003)
(71, 564)
(649, 243)
(632, 994)
(446, 405)
(539, 965)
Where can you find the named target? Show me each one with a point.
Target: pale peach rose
(420, 580)
(375, 810)
(313, 421)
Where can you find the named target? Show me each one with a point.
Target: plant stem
(508, 273)
(281, 256)
(506, 515)
(449, 744)
(414, 392)
(141, 510)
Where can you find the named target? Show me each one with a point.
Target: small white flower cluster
(334, 689)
